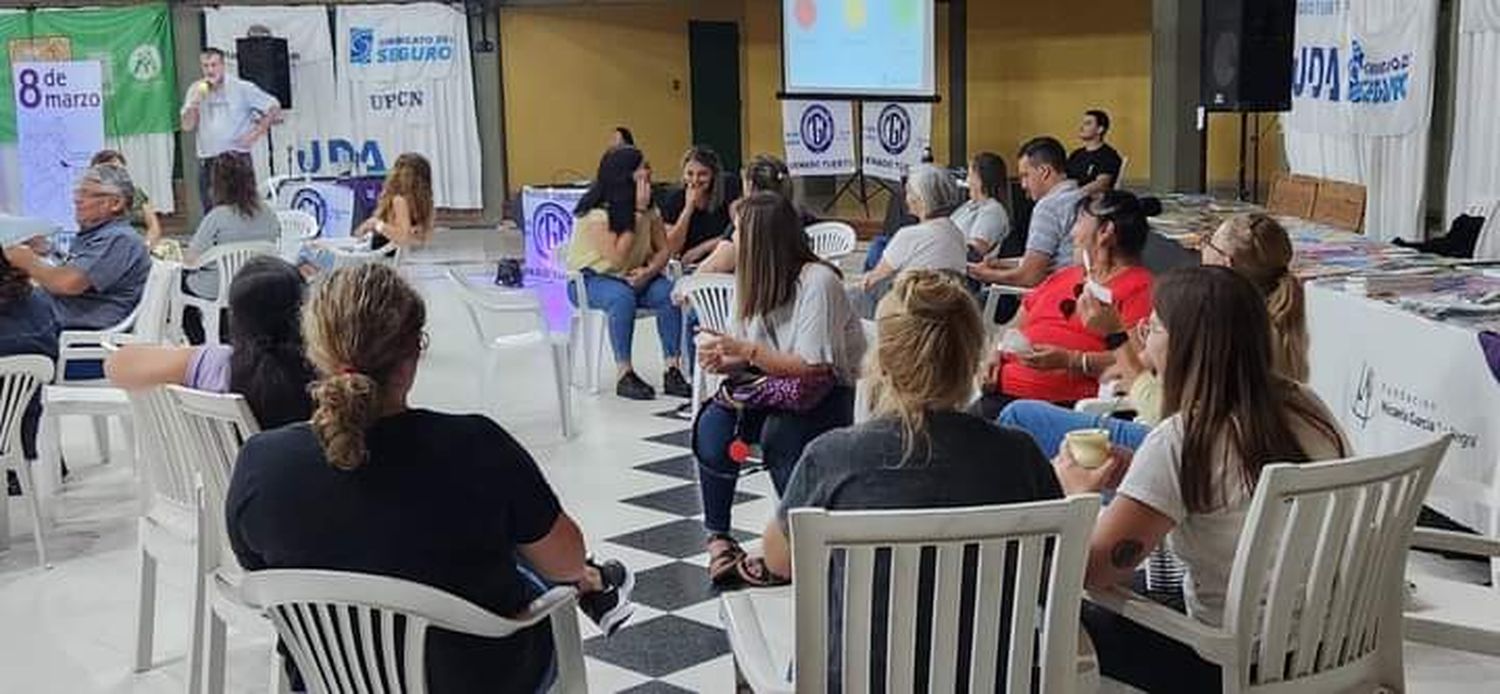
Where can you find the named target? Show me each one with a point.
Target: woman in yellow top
(620, 247)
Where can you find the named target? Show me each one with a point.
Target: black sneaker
(12, 483)
(611, 607)
(673, 384)
(631, 387)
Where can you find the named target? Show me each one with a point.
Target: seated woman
(983, 218)
(1065, 358)
(919, 451)
(238, 216)
(1254, 245)
(766, 173)
(375, 486)
(935, 243)
(1227, 415)
(697, 214)
(620, 247)
(27, 326)
(403, 215)
(263, 360)
(795, 323)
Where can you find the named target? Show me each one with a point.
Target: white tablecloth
(1395, 379)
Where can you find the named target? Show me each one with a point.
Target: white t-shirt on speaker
(227, 113)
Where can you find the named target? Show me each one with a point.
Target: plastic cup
(1089, 447)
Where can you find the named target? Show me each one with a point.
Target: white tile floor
(70, 629)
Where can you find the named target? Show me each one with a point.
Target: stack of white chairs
(1034, 552)
(21, 377)
(526, 306)
(228, 258)
(331, 622)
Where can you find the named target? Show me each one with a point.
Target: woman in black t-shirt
(697, 214)
(371, 485)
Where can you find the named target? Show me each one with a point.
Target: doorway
(714, 76)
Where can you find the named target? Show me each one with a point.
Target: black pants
(1145, 659)
(206, 178)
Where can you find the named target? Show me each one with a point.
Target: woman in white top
(935, 243)
(984, 219)
(1228, 414)
(795, 323)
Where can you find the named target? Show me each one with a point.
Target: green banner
(134, 43)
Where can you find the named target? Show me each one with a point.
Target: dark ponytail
(267, 365)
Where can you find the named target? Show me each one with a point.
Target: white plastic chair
(171, 508)
(590, 329)
(1448, 613)
(215, 426)
(523, 305)
(832, 240)
(346, 256)
(1315, 592)
(228, 258)
(331, 622)
(20, 379)
(1045, 542)
(711, 296)
(297, 227)
(148, 322)
(992, 296)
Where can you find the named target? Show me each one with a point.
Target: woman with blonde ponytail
(921, 449)
(373, 485)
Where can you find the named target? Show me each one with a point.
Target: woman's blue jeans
(782, 436)
(619, 302)
(1048, 424)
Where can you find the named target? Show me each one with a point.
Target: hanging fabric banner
(315, 127)
(406, 81)
(134, 45)
(60, 124)
(895, 136)
(819, 137)
(1473, 176)
(1356, 71)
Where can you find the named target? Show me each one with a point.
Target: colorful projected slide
(858, 47)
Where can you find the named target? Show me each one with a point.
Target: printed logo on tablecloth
(894, 127)
(312, 202)
(817, 128)
(1362, 406)
(551, 225)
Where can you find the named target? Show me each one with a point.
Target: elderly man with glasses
(101, 278)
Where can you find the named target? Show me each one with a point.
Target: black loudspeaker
(265, 61)
(1247, 55)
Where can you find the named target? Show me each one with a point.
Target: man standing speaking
(230, 115)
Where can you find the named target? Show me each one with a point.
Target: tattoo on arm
(1126, 554)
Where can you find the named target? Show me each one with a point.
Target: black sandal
(723, 565)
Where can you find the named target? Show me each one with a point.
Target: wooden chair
(1293, 195)
(1339, 204)
(342, 627)
(1315, 591)
(1032, 552)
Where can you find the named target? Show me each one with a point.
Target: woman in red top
(1065, 359)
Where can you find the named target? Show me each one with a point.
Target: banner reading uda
(1362, 69)
(819, 137)
(895, 136)
(133, 44)
(60, 124)
(408, 87)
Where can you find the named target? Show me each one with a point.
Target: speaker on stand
(1246, 67)
(266, 62)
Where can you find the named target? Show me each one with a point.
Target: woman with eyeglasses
(1060, 359)
(1253, 245)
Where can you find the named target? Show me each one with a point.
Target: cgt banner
(1394, 379)
(547, 216)
(819, 137)
(895, 136)
(1363, 68)
(407, 85)
(60, 124)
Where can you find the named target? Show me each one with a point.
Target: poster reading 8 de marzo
(59, 125)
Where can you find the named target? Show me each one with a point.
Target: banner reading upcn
(133, 44)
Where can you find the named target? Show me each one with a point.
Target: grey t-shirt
(965, 461)
(115, 260)
(936, 244)
(227, 113)
(818, 324)
(224, 224)
(1051, 231)
(983, 219)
